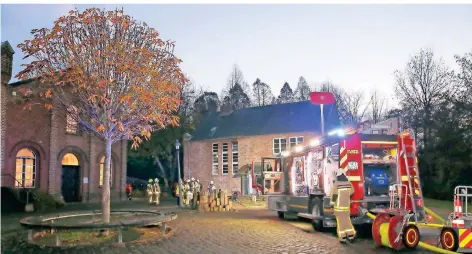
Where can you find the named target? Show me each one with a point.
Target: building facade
(45, 150)
(225, 144)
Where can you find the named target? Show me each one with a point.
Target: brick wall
(198, 157)
(43, 131)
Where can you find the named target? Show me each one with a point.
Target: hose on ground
(441, 219)
(422, 244)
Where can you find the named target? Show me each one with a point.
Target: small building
(390, 126)
(226, 144)
(46, 150)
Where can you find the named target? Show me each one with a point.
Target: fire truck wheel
(411, 236)
(317, 211)
(449, 239)
(281, 215)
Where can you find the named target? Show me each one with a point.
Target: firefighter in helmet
(150, 190)
(211, 188)
(341, 201)
(157, 191)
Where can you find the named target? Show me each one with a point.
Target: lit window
(295, 141)
(102, 167)
(214, 169)
(224, 154)
(71, 125)
(70, 160)
(235, 157)
(280, 145)
(25, 168)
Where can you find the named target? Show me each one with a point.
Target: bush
(43, 201)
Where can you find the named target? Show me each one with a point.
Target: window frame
(101, 169)
(234, 154)
(297, 140)
(279, 145)
(214, 156)
(225, 154)
(23, 159)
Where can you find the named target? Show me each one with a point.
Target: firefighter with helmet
(211, 188)
(157, 191)
(150, 190)
(341, 192)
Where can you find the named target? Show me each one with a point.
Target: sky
(355, 46)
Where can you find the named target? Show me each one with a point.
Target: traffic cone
(457, 208)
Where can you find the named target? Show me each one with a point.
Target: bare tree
(422, 87)
(262, 93)
(378, 107)
(351, 105)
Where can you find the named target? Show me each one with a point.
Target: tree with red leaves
(112, 74)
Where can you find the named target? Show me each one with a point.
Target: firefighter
(197, 187)
(192, 189)
(341, 200)
(150, 190)
(186, 192)
(212, 188)
(157, 191)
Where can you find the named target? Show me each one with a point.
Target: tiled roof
(273, 119)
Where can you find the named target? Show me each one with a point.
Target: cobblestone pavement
(245, 231)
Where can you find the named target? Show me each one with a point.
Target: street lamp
(177, 147)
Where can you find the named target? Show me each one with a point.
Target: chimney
(226, 109)
(7, 62)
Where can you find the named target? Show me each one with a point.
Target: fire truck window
(379, 170)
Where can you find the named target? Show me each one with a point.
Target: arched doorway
(70, 178)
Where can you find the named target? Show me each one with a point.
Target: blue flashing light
(339, 132)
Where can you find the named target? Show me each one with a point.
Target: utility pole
(181, 194)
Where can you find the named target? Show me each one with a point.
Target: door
(70, 183)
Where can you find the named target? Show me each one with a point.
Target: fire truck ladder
(415, 189)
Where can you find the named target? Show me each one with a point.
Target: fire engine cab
(307, 173)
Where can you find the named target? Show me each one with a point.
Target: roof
(273, 119)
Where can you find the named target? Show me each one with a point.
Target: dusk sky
(355, 46)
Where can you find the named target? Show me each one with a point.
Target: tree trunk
(163, 172)
(106, 183)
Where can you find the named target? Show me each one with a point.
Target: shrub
(43, 201)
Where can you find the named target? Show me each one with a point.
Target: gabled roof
(273, 119)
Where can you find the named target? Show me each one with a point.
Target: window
(280, 145)
(71, 125)
(70, 160)
(25, 168)
(224, 154)
(235, 157)
(102, 167)
(214, 168)
(295, 141)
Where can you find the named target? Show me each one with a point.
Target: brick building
(226, 143)
(43, 149)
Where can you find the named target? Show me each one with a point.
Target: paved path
(246, 231)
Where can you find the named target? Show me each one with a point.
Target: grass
(74, 238)
(438, 204)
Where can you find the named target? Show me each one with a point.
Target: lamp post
(177, 147)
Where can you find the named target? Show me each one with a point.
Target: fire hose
(384, 231)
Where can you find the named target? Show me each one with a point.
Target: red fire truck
(308, 170)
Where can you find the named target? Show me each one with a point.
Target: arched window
(25, 172)
(102, 167)
(70, 160)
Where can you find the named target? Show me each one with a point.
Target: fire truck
(301, 184)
